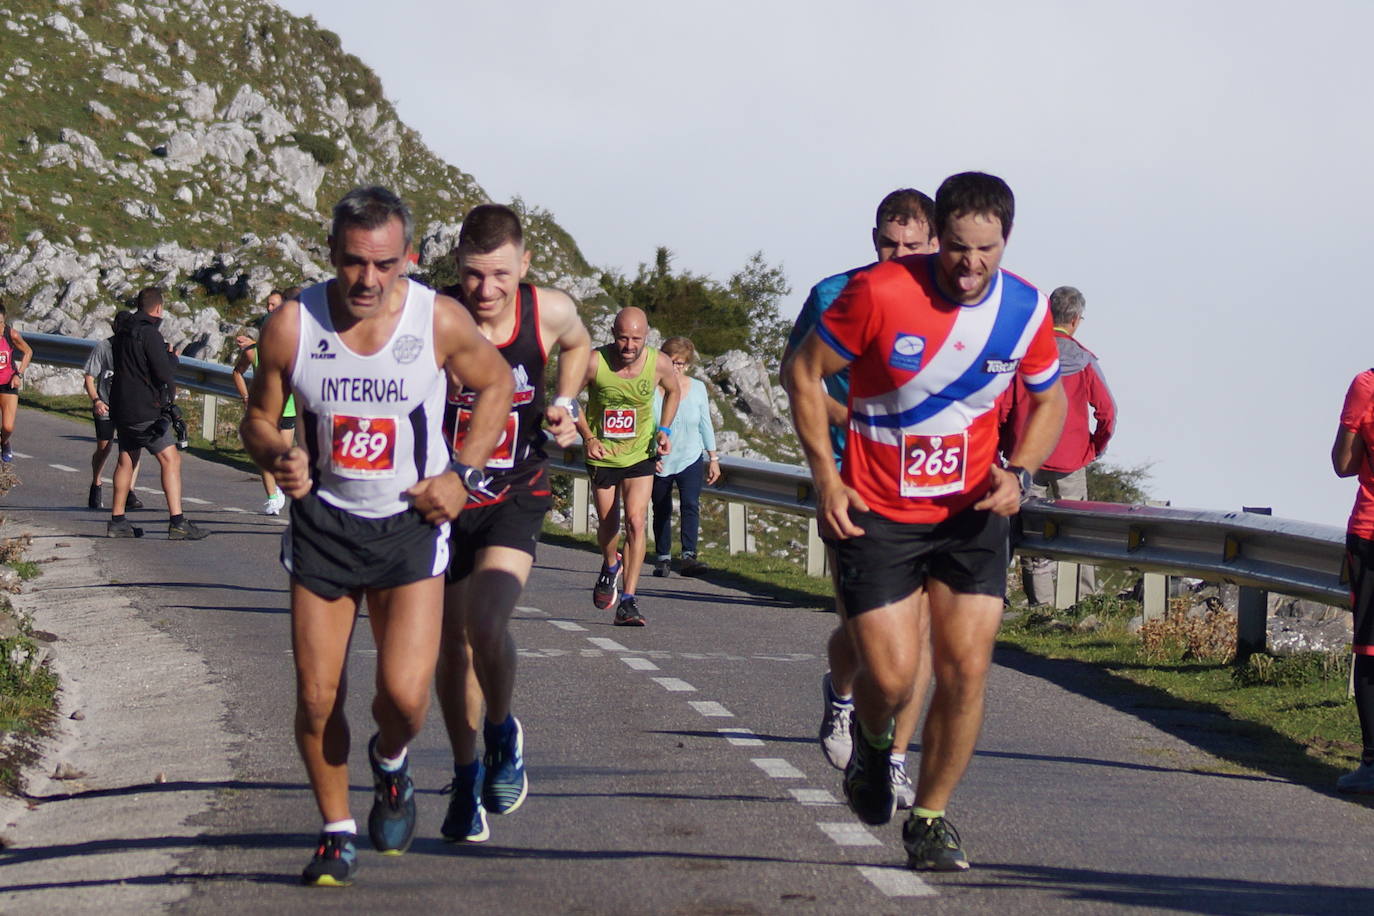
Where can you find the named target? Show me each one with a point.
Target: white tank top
(372, 424)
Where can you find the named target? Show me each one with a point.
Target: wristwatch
(570, 405)
(1023, 477)
(472, 478)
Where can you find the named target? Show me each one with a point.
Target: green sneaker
(932, 844)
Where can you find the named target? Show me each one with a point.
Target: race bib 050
(364, 447)
(618, 423)
(933, 465)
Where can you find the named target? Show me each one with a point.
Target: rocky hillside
(198, 145)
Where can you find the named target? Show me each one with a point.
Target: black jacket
(144, 371)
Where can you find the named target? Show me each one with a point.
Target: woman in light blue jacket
(693, 437)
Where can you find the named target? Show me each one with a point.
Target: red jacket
(1086, 388)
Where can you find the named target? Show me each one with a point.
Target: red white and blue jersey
(925, 373)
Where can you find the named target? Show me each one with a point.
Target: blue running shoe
(466, 821)
(391, 823)
(505, 785)
(335, 862)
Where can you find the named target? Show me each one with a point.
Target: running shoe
(93, 500)
(662, 567)
(120, 528)
(627, 614)
(902, 789)
(932, 844)
(836, 742)
(185, 530)
(132, 502)
(391, 823)
(274, 503)
(505, 785)
(335, 862)
(607, 587)
(867, 781)
(1358, 782)
(6, 454)
(466, 821)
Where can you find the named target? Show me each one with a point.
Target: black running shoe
(132, 502)
(867, 783)
(335, 862)
(607, 587)
(185, 530)
(391, 823)
(120, 528)
(627, 615)
(466, 821)
(691, 566)
(93, 498)
(663, 567)
(932, 844)
(505, 785)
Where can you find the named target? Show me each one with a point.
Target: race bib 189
(363, 447)
(933, 465)
(618, 423)
(503, 456)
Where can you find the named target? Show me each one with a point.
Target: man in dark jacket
(140, 398)
(1064, 474)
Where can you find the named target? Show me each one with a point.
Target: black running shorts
(604, 478)
(1359, 554)
(152, 436)
(334, 553)
(514, 522)
(968, 552)
(104, 427)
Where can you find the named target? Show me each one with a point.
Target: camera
(173, 414)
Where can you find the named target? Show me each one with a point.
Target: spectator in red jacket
(1064, 474)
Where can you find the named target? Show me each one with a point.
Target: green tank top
(620, 412)
(289, 408)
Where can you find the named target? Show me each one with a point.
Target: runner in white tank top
(372, 495)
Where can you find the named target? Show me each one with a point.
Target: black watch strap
(473, 478)
(1023, 477)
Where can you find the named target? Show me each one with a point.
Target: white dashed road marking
(777, 768)
(740, 737)
(639, 664)
(194, 501)
(673, 684)
(63, 467)
(897, 882)
(849, 834)
(532, 610)
(20, 455)
(610, 645)
(711, 709)
(814, 798)
(233, 509)
(569, 626)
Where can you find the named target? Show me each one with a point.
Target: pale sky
(1153, 148)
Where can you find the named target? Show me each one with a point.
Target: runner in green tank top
(622, 446)
(276, 499)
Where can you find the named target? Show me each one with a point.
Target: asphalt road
(673, 769)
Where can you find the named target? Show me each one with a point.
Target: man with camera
(146, 418)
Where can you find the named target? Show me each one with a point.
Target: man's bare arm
(813, 361)
(1347, 453)
(666, 376)
(564, 327)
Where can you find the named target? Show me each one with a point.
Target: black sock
(116, 518)
(178, 518)
(1364, 703)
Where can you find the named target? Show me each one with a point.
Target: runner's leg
(170, 460)
(126, 466)
(606, 500)
(455, 680)
(406, 625)
(635, 492)
(9, 412)
(491, 593)
(320, 633)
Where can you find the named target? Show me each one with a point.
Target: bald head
(629, 332)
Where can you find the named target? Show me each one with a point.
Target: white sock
(348, 826)
(392, 764)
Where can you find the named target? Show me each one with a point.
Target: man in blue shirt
(904, 224)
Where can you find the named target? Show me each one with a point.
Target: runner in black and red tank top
(494, 539)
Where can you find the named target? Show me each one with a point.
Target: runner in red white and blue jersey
(919, 507)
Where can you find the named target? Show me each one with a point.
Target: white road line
(62, 467)
(532, 610)
(195, 501)
(897, 882)
(813, 798)
(569, 626)
(147, 490)
(610, 645)
(638, 664)
(740, 737)
(673, 684)
(777, 768)
(850, 834)
(20, 455)
(232, 509)
(711, 709)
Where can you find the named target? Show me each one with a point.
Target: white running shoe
(836, 742)
(274, 504)
(902, 788)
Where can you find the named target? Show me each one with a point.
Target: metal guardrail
(1281, 555)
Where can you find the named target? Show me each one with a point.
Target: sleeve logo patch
(1000, 366)
(908, 350)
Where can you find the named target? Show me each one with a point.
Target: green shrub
(321, 149)
(1292, 670)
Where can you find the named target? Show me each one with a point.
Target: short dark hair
(976, 193)
(371, 208)
(275, 292)
(905, 205)
(121, 318)
(489, 226)
(291, 294)
(149, 298)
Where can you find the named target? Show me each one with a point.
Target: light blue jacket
(692, 430)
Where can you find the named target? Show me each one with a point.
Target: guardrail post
(1252, 612)
(815, 549)
(581, 492)
(1154, 596)
(207, 418)
(1065, 585)
(739, 534)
